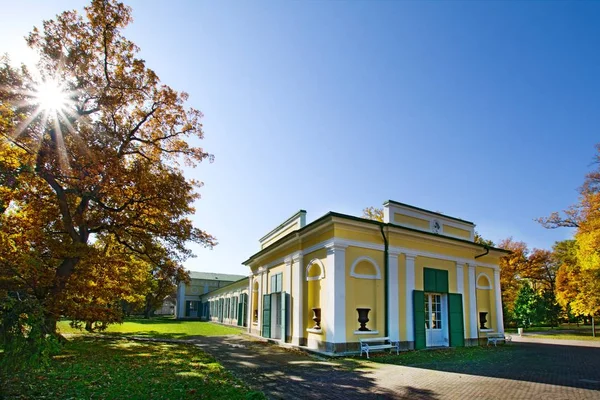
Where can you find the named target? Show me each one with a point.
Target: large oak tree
(92, 193)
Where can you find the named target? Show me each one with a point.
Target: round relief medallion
(195, 290)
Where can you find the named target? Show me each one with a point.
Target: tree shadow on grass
(117, 368)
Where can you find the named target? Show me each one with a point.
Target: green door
(266, 316)
(242, 309)
(456, 320)
(285, 326)
(419, 318)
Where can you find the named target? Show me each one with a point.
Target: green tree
(512, 267)
(481, 240)
(528, 307)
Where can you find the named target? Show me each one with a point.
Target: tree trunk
(593, 327)
(148, 311)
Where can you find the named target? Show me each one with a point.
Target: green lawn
(565, 332)
(161, 328)
(437, 357)
(89, 368)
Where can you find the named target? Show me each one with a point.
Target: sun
(51, 97)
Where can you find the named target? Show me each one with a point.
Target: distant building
(167, 308)
(189, 296)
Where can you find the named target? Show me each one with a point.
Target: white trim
(406, 250)
(340, 242)
(486, 330)
(297, 317)
(460, 288)
(499, 311)
(472, 303)
(410, 287)
(393, 297)
(336, 288)
(318, 246)
(315, 261)
(365, 276)
(488, 287)
(366, 332)
(317, 331)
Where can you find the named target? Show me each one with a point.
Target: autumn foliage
(94, 206)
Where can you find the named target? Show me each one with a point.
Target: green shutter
(429, 280)
(240, 315)
(441, 281)
(419, 318)
(245, 310)
(266, 316)
(285, 326)
(455, 319)
(435, 280)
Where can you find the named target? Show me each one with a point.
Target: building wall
(361, 282)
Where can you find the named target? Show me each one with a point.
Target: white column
(181, 300)
(460, 279)
(335, 273)
(297, 299)
(261, 290)
(472, 303)
(249, 306)
(499, 313)
(410, 287)
(393, 295)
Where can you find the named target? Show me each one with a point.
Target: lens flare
(51, 97)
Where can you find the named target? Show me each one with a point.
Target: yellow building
(418, 277)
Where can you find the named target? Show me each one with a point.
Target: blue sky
(486, 111)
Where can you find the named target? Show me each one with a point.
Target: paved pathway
(546, 371)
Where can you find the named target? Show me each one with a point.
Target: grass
(564, 332)
(161, 327)
(437, 358)
(91, 368)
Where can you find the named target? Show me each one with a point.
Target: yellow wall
(316, 239)
(400, 240)
(367, 293)
(411, 221)
(451, 230)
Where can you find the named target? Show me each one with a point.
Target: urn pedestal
(482, 320)
(317, 318)
(363, 318)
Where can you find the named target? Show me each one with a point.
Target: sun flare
(51, 97)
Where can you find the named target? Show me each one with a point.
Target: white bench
(497, 337)
(380, 343)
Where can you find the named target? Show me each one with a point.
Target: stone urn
(363, 318)
(482, 320)
(317, 318)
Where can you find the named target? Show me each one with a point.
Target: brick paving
(532, 370)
